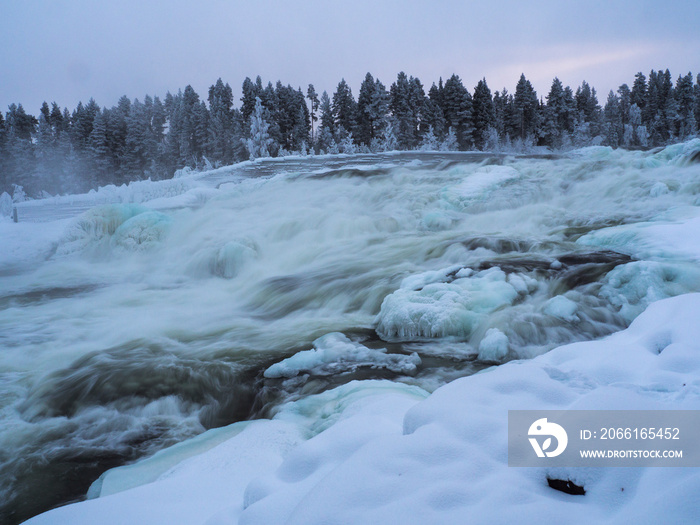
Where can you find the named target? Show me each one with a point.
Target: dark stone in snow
(567, 486)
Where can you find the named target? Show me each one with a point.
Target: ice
(494, 345)
(97, 225)
(420, 280)
(142, 231)
(444, 309)
(151, 469)
(562, 308)
(335, 354)
(634, 286)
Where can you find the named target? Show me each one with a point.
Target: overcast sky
(71, 50)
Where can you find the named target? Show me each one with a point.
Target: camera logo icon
(542, 428)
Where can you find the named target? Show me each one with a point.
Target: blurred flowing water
(144, 327)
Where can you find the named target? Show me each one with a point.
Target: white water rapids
(142, 325)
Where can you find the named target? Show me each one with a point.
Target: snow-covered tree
(259, 141)
(430, 141)
(450, 143)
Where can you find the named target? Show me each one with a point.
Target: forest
(61, 151)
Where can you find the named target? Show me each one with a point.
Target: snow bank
(671, 236)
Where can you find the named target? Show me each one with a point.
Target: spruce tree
(327, 119)
(613, 120)
(344, 107)
(313, 102)
(525, 106)
(684, 100)
(250, 92)
(639, 90)
(98, 153)
(484, 115)
(457, 108)
(696, 91)
(365, 128)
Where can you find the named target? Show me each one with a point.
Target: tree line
(61, 151)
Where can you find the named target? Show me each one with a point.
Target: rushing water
(143, 328)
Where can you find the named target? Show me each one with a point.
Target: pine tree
(684, 100)
(220, 132)
(301, 124)
(99, 154)
(344, 107)
(407, 104)
(613, 120)
(4, 175)
(696, 91)
(378, 110)
(457, 108)
(639, 90)
(20, 128)
(313, 102)
(365, 128)
(559, 115)
(327, 119)
(250, 92)
(525, 106)
(484, 115)
(434, 115)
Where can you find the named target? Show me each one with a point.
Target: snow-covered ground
(346, 304)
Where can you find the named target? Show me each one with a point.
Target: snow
(26, 244)
(667, 237)
(335, 354)
(5, 205)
